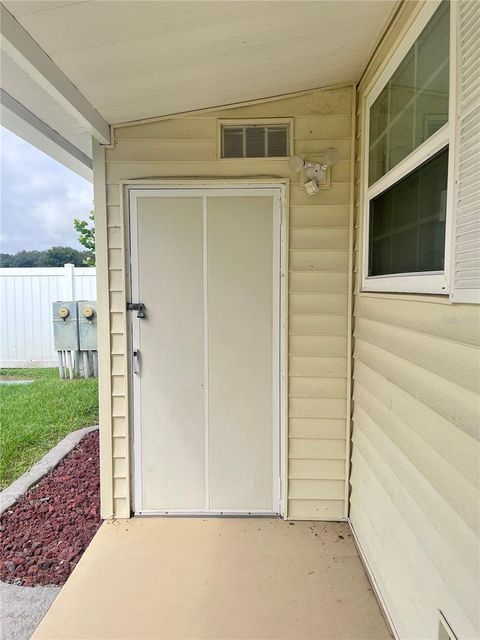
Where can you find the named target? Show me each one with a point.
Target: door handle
(136, 362)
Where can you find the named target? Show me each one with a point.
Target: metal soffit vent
(255, 141)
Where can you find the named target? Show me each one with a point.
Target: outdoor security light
(314, 173)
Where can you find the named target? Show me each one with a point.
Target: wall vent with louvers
(255, 140)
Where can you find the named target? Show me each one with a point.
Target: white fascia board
(25, 124)
(18, 43)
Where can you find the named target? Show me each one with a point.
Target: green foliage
(21, 259)
(35, 417)
(58, 256)
(53, 257)
(86, 237)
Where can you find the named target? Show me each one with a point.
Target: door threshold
(209, 514)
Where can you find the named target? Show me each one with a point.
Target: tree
(86, 237)
(53, 257)
(6, 260)
(25, 259)
(58, 256)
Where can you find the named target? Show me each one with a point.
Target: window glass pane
(407, 222)
(399, 135)
(414, 103)
(432, 81)
(378, 130)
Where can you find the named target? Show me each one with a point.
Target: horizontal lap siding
(416, 456)
(414, 500)
(318, 325)
(318, 279)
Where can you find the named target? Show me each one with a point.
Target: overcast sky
(39, 198)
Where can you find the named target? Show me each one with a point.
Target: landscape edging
(10, 495)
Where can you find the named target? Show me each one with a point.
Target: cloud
(39, 198)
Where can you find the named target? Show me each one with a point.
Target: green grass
(35, 416)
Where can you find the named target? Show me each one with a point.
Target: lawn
(35, 416)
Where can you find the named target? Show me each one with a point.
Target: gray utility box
(65, 326)
(87, 325)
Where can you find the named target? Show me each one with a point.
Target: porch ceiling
(136, 60)
(217, 578)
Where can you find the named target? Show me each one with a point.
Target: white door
(206, 265)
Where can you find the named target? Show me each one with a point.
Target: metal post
(61, 368)
(68, 360)
(95, 363)
(76, 355)
(86, 364)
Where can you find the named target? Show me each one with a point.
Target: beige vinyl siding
(415, 438)
(103, 307)
(186, 147)
(415, 463)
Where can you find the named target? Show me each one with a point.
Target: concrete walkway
(22, 608)
(159, 578)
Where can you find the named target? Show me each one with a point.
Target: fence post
(68, 282)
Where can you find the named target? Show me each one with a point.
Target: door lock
(139, 307)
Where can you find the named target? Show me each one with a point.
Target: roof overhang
(78, 67)
(40, 103)
(26, 125)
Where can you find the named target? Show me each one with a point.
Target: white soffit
(137, 60)
(15, 117)
(31, 58)
(20, 85)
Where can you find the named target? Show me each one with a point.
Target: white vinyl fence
(26, 296)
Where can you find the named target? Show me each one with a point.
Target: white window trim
(424, 282)
(239, 122)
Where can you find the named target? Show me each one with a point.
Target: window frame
(428, 282)
(246, 122)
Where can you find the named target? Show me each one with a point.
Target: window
(408, 162)
(255, 140)
(407, 222)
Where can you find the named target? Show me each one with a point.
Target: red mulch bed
(43, 535)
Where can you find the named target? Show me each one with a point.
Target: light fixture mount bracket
(314, 171)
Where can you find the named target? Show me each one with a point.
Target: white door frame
(278, 189)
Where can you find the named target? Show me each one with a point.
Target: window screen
(407, 222)
(255, 141)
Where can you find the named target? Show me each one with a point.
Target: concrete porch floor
(158, 578)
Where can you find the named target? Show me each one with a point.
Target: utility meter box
(65, 326)
(87, 325)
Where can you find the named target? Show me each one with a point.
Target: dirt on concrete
(43, 535)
